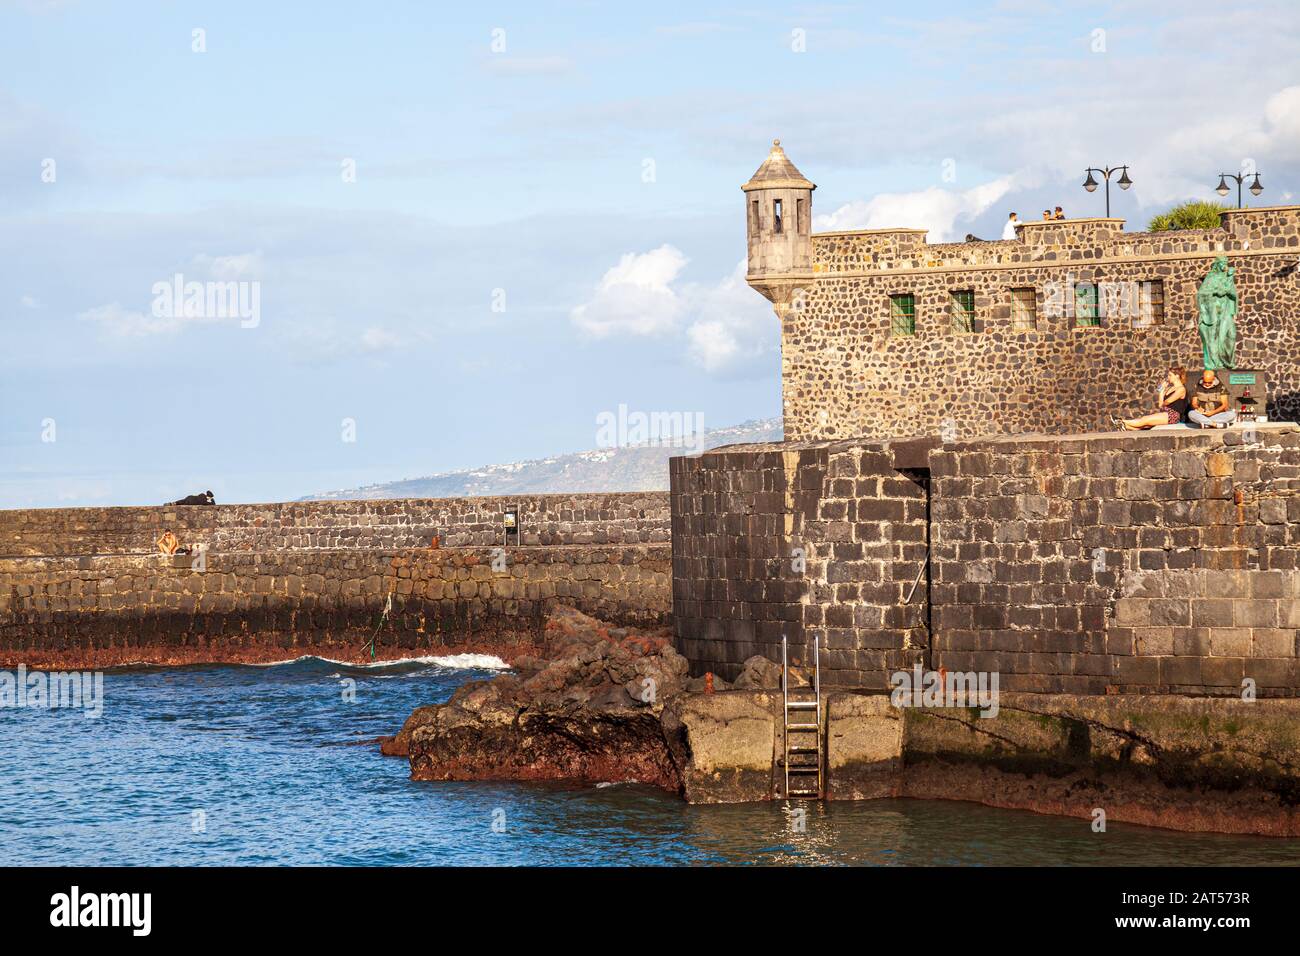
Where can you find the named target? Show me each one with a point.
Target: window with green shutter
(961, 306)
(902, 314)
(1086, 313)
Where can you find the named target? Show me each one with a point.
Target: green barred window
(902, 313)
(1086, 312)
(1024, 310)
(961, 305)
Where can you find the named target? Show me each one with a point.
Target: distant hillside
(635, 468)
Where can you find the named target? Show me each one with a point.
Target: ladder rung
(803, 750)
(802, 727)
(798, 768)
(801, 704)
(804, 793)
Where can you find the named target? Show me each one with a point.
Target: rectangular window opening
(1087, 313)
(1024, 310)
(1151, 305)
(776, 215)
(902, 314)
(961, 306)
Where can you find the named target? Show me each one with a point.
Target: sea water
(277, 765)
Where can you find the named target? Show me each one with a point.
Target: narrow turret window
(776, 215)
(753, 211)
(801, 216)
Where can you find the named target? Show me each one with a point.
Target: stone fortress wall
(846, 372)
(996, 342)
(1165, 562)
(898, 528)
(798, 539)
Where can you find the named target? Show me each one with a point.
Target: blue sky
(545, 220)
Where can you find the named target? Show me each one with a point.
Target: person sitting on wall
(1058, 214)
(1171, 404)
(1210, 403)
(203, 499)
(1047, 215)
(168, 543)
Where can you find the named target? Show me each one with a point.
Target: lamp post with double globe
(1123, 182)
(1222, 188)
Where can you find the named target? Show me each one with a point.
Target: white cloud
(635, 297)
(29, 302)
(126, 322)
(733, 324)
(1283, 114)
(729, 323)
(935, 209)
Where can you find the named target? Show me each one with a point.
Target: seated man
(1210, 403)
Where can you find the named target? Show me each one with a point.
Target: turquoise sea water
(218, 765)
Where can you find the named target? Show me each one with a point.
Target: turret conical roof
(777, 172)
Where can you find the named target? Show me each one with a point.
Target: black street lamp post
(1222, 188)
(1124, 182)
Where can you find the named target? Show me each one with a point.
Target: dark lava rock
(589, 710)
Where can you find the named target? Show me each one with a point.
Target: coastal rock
(398, 745)
(587, 709)
(758, 673)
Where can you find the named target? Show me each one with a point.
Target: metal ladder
(803, 718)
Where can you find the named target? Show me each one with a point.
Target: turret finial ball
(776, 142)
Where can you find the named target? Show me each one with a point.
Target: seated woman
(1171, 401)
(168, 543)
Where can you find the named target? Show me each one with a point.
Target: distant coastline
(628, 468)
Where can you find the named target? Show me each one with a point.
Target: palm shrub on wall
(1194, 214)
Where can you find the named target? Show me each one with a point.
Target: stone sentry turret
(778, 218)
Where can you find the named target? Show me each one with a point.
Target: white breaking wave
(458, 662)
(450, 661)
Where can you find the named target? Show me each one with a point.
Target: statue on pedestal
(1216, 303)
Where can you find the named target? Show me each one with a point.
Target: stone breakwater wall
(254, 606)
(1165, 562)
(595, 519)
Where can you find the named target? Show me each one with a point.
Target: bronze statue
(1216, 302)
